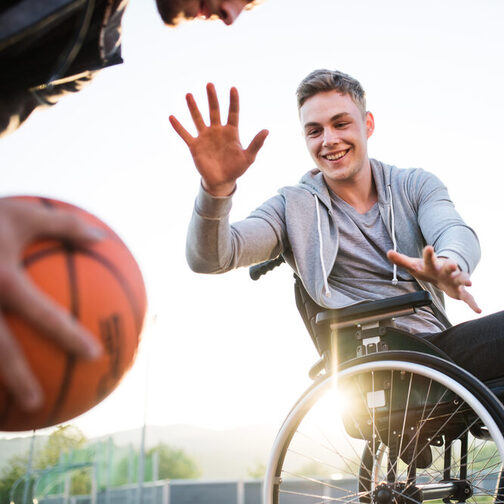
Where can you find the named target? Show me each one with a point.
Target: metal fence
(171, 492)
(218, 492)
(196, 492)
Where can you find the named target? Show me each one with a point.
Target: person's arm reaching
(442, 272)
(453, 250)
(213, 246)
(217, 151)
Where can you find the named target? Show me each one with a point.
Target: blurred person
(49, 49)
(53, 48)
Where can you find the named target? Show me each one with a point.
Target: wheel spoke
(318, 481)
(409, 404)
(324, 498)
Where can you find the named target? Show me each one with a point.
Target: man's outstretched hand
(217, 151)
(21, 223)
(442, 272)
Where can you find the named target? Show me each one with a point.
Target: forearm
(215, 246)
(444, 228)
(460, 244)
(451, 237)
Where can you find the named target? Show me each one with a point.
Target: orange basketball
(101, 285)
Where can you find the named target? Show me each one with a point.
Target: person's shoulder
(403, 174)
(420, 177)
(416, 181)
(301, 186)
(393, 170)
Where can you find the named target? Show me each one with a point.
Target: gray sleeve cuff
(212, 207)
(455, 256)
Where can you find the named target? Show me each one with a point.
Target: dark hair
(322, 80)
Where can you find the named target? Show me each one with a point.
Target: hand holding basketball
(21, 222)
(54, 296)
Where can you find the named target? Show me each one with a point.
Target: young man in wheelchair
(356, 229)
(353, 229)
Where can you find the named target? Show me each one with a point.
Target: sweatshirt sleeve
(441, 224)
(215, 246)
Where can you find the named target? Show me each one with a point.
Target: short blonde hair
(252, 3)
(322, 80)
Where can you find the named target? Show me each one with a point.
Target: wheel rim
(314, 468)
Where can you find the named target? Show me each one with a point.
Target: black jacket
(52, 48)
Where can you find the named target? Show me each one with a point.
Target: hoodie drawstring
(394, 241)
(395, 281)
(321, 248)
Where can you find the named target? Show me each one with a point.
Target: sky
(222, 351)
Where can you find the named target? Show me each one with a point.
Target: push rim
(474, 395)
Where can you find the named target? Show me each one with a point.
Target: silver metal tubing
(438, 490)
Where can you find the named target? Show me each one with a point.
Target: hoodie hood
(416, 210)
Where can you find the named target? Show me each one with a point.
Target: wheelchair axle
(402, 493)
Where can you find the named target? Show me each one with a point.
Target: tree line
(66, 440)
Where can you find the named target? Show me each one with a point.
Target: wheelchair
(388, 419)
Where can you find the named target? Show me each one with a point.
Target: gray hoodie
(299, 224)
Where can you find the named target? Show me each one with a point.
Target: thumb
(469, 299)
(256, 144)
(395, 257)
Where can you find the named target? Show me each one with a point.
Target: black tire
(430, 400)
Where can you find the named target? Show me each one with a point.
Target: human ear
(370, 124)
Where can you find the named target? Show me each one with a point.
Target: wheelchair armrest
(371, 311)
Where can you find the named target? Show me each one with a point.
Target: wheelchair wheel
(395, 428)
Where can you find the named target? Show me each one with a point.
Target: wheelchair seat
(354, 331)
(381, 309)
(425, 429)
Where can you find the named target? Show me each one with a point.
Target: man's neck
(359, 192)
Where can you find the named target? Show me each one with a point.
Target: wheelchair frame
(458, 413)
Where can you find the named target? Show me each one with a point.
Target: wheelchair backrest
(356, 334)
(363, 328)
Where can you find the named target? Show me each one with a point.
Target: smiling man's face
(174, 11)
(336, 133)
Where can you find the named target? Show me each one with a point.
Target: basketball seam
(70, 358)
(122, 281)
(104, 262)
(136, 309)
(35, 256)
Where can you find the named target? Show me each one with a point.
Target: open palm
(442, 272)
(217, 151)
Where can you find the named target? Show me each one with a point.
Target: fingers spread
(460, 278)
(451, 268)
(256, 144)
(469, 299)
(195, 113)
(402, 260)
(182, 132)
(17, 375)
(23, 298)
(213, 105)
(234, 107)
(429, 257)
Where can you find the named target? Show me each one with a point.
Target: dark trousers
(477, 345)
